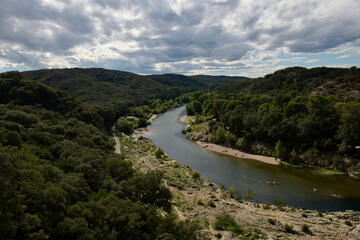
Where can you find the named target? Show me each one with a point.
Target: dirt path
(117, 145)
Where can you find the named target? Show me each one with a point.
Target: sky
(215, 37)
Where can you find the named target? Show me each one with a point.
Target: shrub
(348, 223)
(195, 175)
(305, 228)
(159, 153)
(266, 205)
(271, 221)
(288, 228)
(249, 195)
(320, 214)
(279, 203)
(199, 202)
(211, 203)
(225, 221)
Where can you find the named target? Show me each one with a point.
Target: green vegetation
(271, 221)
(195, 175)
(200, 202)
(289, 228)
(159, 153)
(116, 93)
(59, 177)
(305, 228)
(266, 205)
(225, 221)
(348, 223)
(249, 195)
(301, 116)
(211, 203)
(279, 203)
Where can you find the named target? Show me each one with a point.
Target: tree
(249, 194)
(280, 150)
(13, 138)
(349, 130)
(159, 153)
(124, 126)
(242, 144)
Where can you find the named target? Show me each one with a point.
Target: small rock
(219, 236)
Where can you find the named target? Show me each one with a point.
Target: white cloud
(312, 61)
(209, 36)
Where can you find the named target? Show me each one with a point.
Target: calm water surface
(296, 185)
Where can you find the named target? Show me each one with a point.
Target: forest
(291, 115)
(115, 93)
(60, 178)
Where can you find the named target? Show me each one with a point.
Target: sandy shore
(153, 117)
(184, 119)
(239, 154)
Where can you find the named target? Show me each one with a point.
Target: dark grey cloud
(179, 35)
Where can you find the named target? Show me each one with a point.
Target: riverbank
(237, 153)
(191, 199)
(225, 150)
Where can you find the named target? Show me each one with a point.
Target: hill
(301, 116)
(112, 92)
(341, 82)
(60, 178)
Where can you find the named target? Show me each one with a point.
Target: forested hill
(60, 178)
(341, 82)
(113, 93)
(98, 86)
(19, 91)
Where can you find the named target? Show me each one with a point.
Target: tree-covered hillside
(340, 82)
(301, 116)
(60, 178)
(113, 92)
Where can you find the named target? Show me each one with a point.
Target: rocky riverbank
(202, 200)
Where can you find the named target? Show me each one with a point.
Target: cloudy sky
(217, 37)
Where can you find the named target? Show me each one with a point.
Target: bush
(200, 202)
(288, 228)
(271, 221)
(266, 205)
(211, 203)
(159, 153)
(195, 175)
(279, 203)
(348, 223)
(305, 228)
(225, 221)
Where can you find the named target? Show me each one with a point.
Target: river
(296, 185)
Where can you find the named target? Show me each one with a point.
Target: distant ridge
(341, 82)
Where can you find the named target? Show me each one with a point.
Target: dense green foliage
(341, 82)
(315, 129)
(115, 93)
(59, 177)
(16, 90)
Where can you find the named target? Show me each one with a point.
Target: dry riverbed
(254, 220)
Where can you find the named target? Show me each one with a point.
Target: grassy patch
(327, 172)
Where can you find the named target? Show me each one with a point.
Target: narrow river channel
(296, 185)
